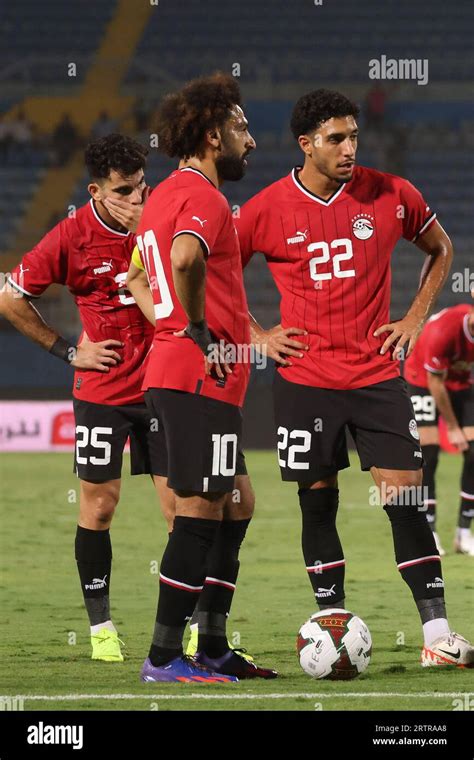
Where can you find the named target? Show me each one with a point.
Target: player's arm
(276, 342)
(437, 245)
(188, 268)
(139, 287)
(21, 313)
(437, 388)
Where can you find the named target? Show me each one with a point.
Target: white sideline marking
(304, 695)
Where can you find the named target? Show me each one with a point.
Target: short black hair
(318, 106)
(185, 116)
(114, 152)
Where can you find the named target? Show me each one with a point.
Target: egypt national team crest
(414, 430)
(363, 226)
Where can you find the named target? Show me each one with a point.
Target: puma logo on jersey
(107, 266)
(202, 222)
(300, 237)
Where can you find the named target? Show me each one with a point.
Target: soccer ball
(334, 644)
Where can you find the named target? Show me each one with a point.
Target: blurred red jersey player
(440, 382)
(89, 253)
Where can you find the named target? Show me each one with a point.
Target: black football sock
(466, 509)
(216, 598)
(182, 574)
(430, 457)
(322, 548)
(93, 551)
(417, 556)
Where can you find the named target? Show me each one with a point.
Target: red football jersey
(445, 345)
(330, 260)
(188, 202)
(92, 260)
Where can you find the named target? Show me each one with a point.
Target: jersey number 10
(150, 252)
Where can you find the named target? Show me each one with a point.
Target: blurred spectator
(397, 153)
(65, 139)
(104, 125)
(375, 105)
(16, 136)
(141, 114)
(21, 129)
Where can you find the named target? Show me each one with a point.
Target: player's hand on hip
(99, 356)
(127, 214)
(278, 344)
(217, 362)
(216, 355)
(406, 330)
(457, 438)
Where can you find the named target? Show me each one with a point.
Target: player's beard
(324, 168)
(230, 166)
(344, 178)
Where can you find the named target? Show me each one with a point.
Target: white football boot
(464, 542)
(452, 649)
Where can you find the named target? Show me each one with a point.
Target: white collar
(313, 196)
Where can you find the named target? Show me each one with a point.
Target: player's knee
(329, 482)
(100, 501)
(104, 507)
(246, 496)
(240, 502)
(403, 487)
(167, 500)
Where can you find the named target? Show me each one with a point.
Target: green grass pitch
(44, 642)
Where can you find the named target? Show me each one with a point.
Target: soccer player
(327, 231)
(193, 289)
(89, 253)
(438, 373)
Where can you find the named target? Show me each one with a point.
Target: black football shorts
(199, 440)
(101, 433)
(311, 426)
(426, 413)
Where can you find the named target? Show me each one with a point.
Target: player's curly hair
(119, 152)
(312, 109)
(185, 116)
